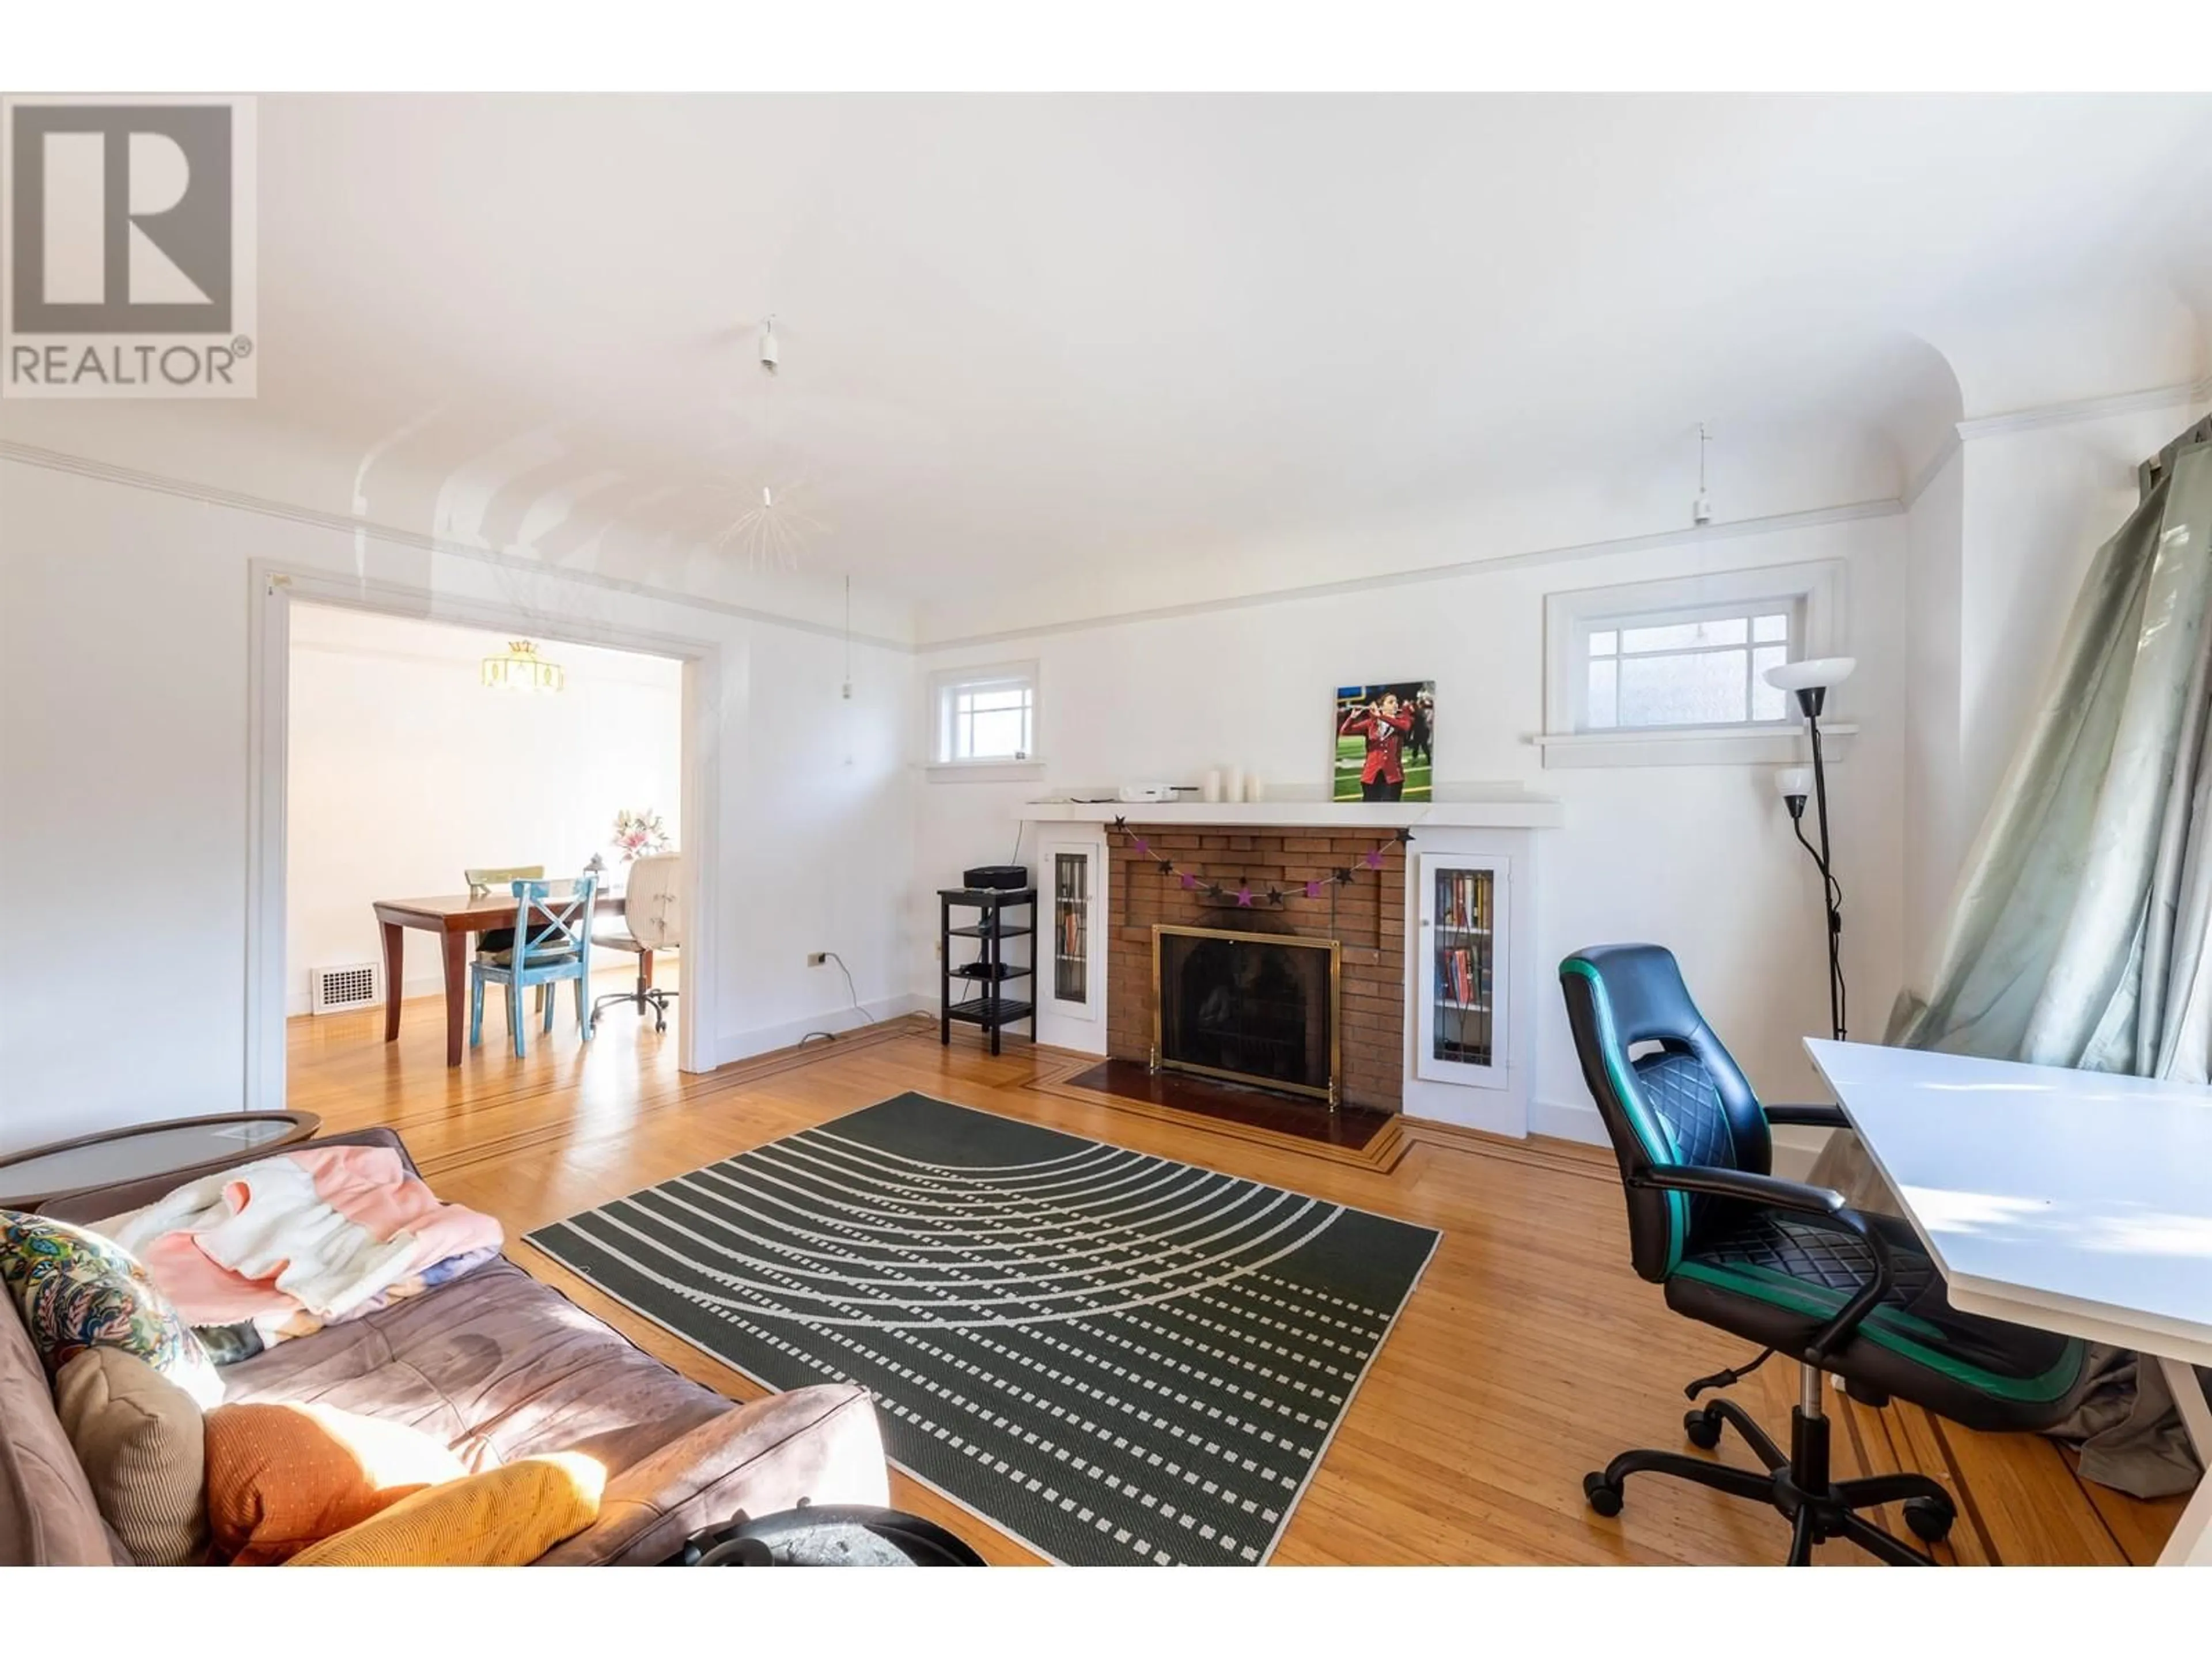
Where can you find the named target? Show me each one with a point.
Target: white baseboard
(300, 999)
(763, 1039)
(1567, 1119)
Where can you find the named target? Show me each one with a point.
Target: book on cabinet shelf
(1463, 979)
(1466, 903)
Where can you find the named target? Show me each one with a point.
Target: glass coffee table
(827, 1535)
(66, 1167)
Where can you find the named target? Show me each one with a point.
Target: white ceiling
(1023, 335)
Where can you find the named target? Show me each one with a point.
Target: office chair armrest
(1813, 1117)
(1823, 1201)
(1717, 1183)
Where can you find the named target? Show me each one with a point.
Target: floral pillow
(77, 1290)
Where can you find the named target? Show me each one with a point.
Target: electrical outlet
(816, 959)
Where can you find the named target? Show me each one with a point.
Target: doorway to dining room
(428, 766)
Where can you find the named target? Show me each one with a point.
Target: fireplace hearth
(1256, 1008)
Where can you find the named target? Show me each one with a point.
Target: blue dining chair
(552, 942)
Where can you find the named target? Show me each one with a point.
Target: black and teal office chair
(1786, 1265)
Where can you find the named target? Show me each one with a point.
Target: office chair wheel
(1929, 1518)
(1603, 1498)
(1704, 1431)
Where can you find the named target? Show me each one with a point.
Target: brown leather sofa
(498, 1366)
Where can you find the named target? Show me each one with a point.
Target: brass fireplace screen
(1258, 1008)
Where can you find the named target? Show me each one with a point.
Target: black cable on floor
(852, 995)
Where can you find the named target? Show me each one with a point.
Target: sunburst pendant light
(772, 534)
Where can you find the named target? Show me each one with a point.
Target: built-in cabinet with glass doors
(1073, 968)
(1460, 1008)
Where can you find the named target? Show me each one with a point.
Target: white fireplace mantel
(1502, 812)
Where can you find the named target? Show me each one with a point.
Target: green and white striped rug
(1115, 1359)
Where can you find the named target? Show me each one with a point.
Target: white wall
(1933, 729)
(124, 672)
(406, 770)
(1697, 858)
(823, 858)
(124, 719)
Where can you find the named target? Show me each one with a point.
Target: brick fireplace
(1367, 918)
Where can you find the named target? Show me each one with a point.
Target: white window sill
(1691, 746)
(985, 771)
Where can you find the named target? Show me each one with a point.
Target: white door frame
(275, 586)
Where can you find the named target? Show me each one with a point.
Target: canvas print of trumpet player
(1385, 741)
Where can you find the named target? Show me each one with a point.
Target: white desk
(2072, 1201)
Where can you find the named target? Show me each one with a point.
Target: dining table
(456, 919)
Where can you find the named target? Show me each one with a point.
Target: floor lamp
(1810, 681)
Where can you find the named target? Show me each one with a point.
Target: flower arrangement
(639, 834)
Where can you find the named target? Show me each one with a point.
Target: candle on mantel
(1234, 786)
(1255, 790)
(1212, 788)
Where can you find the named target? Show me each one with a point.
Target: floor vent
(335, 990)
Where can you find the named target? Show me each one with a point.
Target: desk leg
(457, 987)
(2192, 1543)
(395, 953)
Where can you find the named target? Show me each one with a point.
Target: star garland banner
(1243, 893)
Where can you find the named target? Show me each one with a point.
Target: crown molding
(2076, 410)
(2183, 394)
(55, 461)
(2025, 420)
(1729, 530)
(1928, 474)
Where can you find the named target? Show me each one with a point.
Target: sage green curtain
(2078, 933)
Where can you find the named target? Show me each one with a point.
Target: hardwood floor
(1530, 1354)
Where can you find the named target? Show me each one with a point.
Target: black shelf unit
(989, 972)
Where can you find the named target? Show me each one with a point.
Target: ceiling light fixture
(519, 668)
(774, 533)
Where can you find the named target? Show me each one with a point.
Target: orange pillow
(280, 1478)
(504, 1517)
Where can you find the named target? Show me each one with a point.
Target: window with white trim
(1675, 668)
(1674, 671)
(986, 716)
